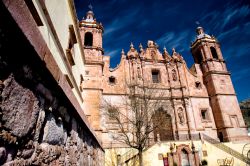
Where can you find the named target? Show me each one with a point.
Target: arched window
(214, 53)
(88, 39)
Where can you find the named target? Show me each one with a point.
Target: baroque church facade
(202, 98)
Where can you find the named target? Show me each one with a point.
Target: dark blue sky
(172, 24)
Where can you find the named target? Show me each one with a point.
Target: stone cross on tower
(90, 7)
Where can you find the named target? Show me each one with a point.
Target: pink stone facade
(204, 94)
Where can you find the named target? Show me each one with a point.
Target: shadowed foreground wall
(38, 124)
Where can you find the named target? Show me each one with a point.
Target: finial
(141, 48)
(165, 50)
(140, 45)
(122, 52)
(199, 29)
(90, 7)
(90, 14)
(173, 49)
(131, 45)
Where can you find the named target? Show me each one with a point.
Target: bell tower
(228, 117)
(91, 35)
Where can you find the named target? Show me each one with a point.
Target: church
(196, 101)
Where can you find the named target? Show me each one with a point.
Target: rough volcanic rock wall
(38, 124)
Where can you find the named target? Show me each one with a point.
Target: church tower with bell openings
(228, 117)
(91, 33)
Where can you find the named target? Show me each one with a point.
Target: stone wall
(38, 123)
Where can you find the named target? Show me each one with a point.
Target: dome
(90, 16)
(201, 34)
(90, 12)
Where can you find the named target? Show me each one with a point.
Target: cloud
(234, 14)
(225, 34)
(113, 53)
(235, 41)
(240, 74)
(174, 40)
(220, 20)
(238, 50)
(121, 22)
(166, 38)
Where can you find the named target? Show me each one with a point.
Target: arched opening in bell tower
(214, 53)
(88, 39)
(198, 58)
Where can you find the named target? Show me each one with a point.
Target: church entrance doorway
(163, 126)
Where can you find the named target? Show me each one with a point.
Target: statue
(174, 75)
(180, 115)
(139, 72)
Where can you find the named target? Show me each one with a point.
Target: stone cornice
(205, 39)
(217, 72)
(223, 94)
(91, 25)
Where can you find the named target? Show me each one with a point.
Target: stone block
(53, 131)
(20, 108)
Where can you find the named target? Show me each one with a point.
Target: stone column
(190, 115)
